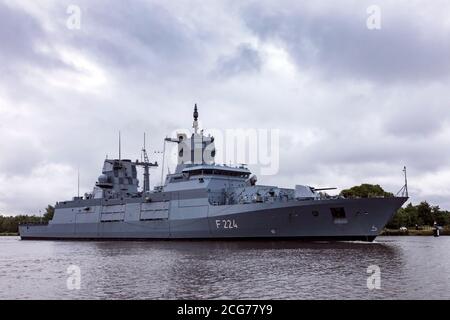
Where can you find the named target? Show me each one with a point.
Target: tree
(11, 224)
(421, 214)
(49, 212)
(425, 213)
(398, 220)
(412, 216)
(365, 191)
(441, 217)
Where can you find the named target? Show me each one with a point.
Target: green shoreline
(393, 232)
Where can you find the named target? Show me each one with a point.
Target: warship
(205, 200)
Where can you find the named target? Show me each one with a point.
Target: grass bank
(413, 232)
(8, 234)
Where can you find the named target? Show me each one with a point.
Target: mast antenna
(404, 190)
(78, 178)
(163, 159)
(120, 147)
(146, 162)
(144, 152)
(406, 182)
(195, 124)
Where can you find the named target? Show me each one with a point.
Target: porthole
(315, 213)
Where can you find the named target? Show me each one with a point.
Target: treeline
(366, 191)
(422, 214)
(11, 224)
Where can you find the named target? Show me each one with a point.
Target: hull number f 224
(226, 224)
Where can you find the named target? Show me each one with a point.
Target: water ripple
(411, 268)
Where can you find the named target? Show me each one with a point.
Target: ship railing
(372, 197)
(26, 224)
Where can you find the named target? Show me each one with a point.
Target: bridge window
(195, 172)
(218, 172)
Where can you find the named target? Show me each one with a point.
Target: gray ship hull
(307, 220)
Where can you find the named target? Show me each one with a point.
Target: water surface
(411, 268)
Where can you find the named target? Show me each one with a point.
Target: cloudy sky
(352, 104)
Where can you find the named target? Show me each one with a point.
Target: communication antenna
(164, 155)
(120, 147)
(146, 161)
(78, 177)
(406, 182)
(195, 124)
(146, 164)
(144, 155)
(143, 149)
(404, 190)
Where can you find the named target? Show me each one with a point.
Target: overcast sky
(353, 105)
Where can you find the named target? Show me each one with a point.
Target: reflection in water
(273, 270)
(411, 267)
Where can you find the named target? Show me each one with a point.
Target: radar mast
(146, 164)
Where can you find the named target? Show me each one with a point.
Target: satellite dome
(103, 178)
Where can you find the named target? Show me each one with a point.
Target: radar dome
(103, 178)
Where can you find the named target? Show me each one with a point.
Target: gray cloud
(244, 60)
(137, 34)
(18, 32)
(337, 43)
(352, 105)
